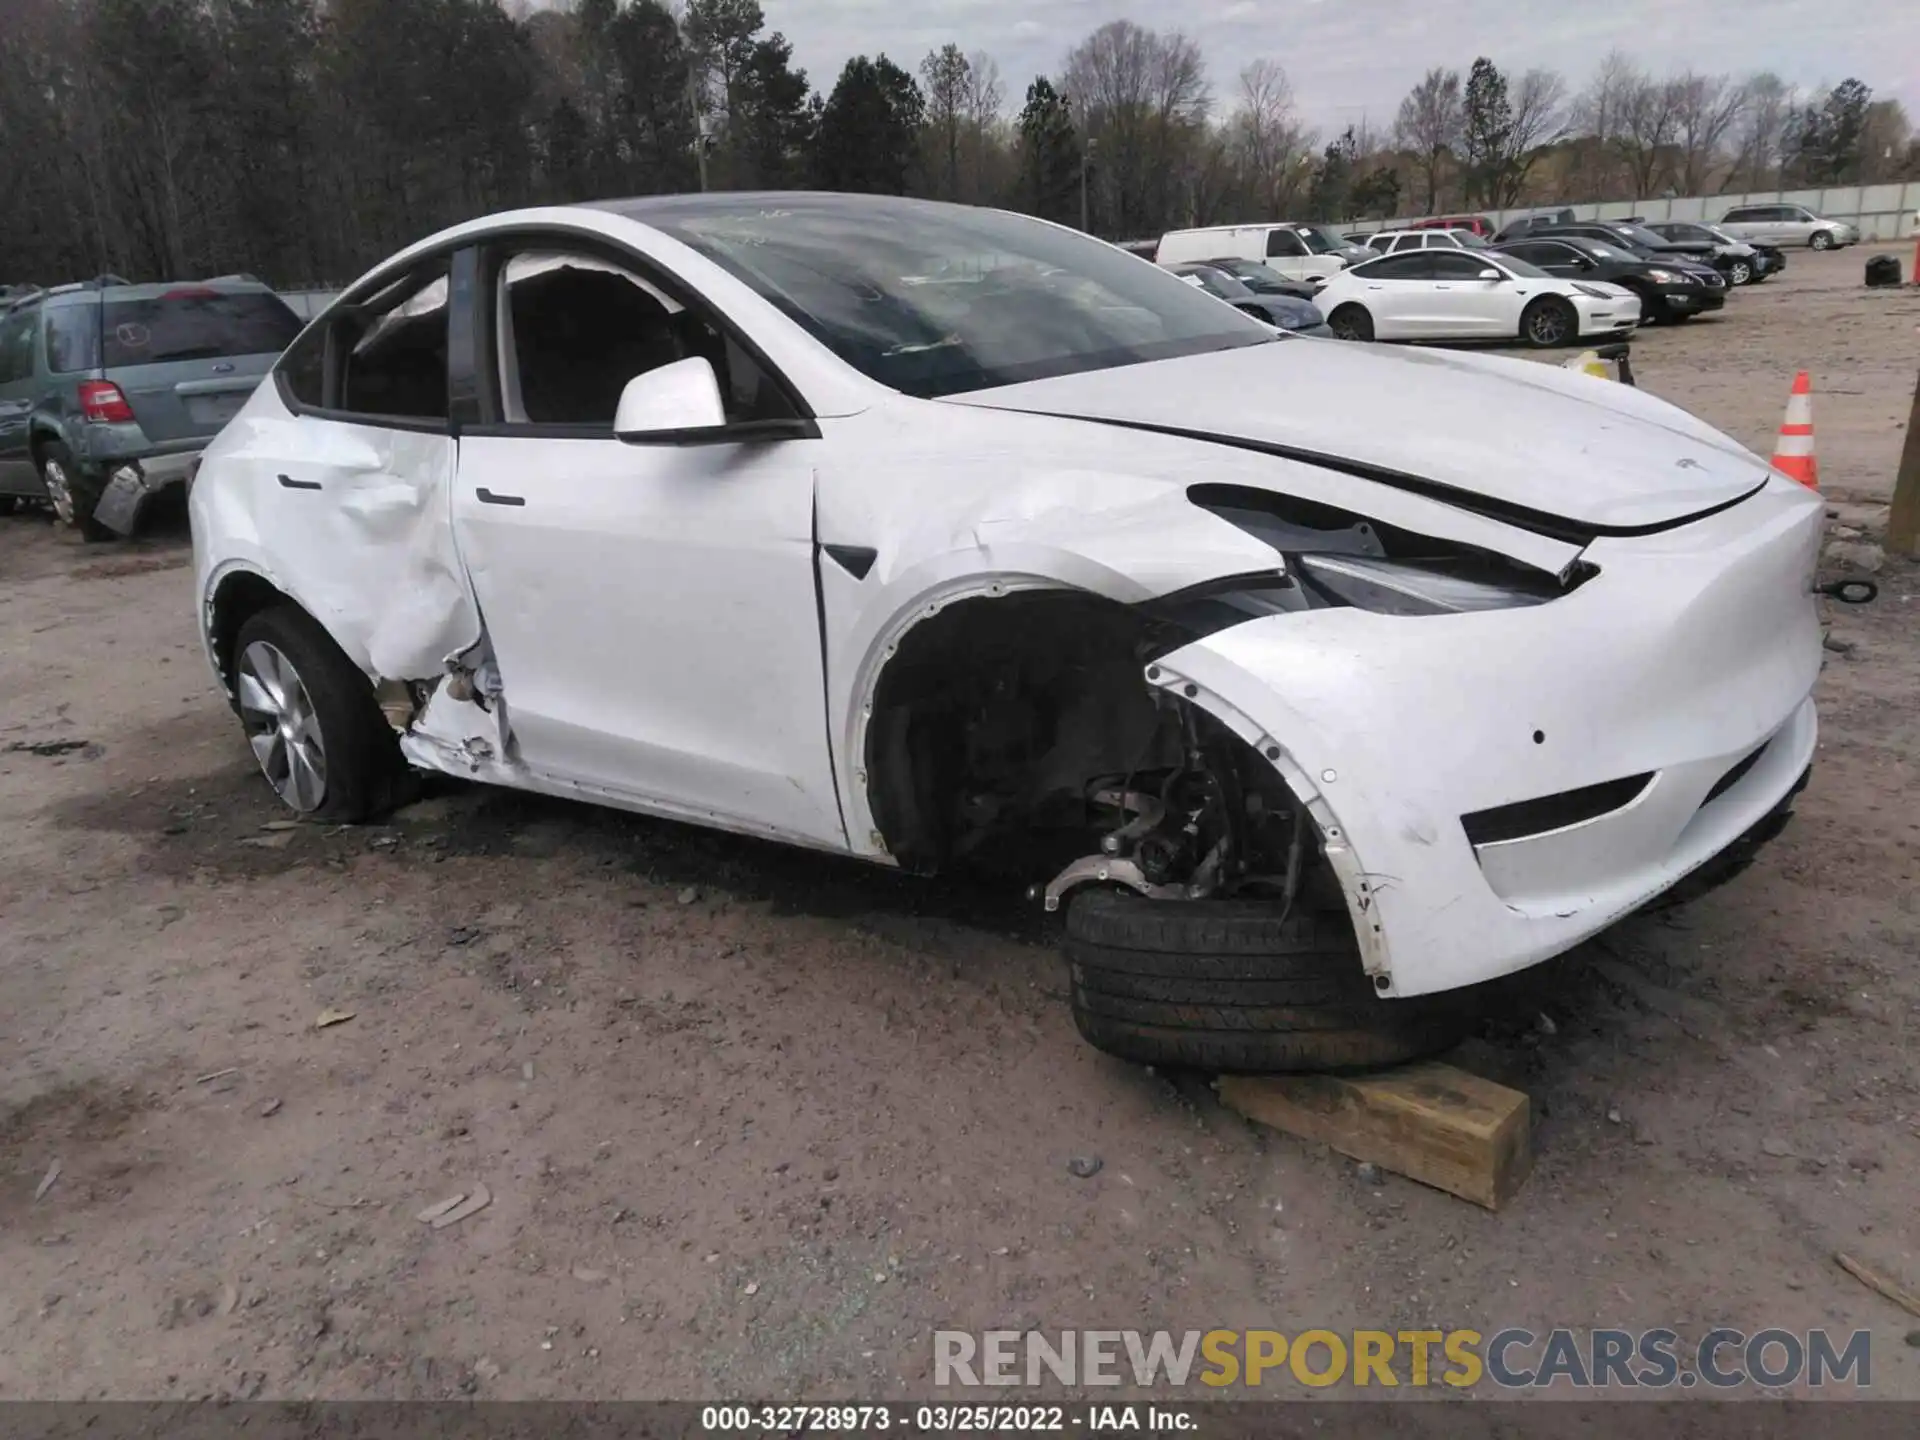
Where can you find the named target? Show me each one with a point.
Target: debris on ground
(1861, 555)
(46, 1181)
(1893, 1290)
(1779, 1149)
(1367, 1173)
(688, 895)
(271, 1108)
(330, 1017)
(456, 1208)
(47, 748)
(213, 1075)
(1084, 1166)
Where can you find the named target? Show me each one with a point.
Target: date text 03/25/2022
(944, 1419)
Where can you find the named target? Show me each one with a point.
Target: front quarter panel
(1688, 651)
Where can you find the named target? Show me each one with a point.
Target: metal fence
(1879, 212)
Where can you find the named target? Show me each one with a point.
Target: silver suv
(1788, 225)
(109, 391)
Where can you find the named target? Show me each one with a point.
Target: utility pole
(1903, 521)
(693, 104)
(1086, 155)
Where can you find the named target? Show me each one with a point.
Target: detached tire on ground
(1229, 985)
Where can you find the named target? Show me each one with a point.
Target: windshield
(1467, 240)
(936, 299)
(1640, 235)
(1321, 239)
(1252, 274)
(1218, 282)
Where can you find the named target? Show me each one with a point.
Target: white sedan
(1313, 682)
(1444, 294)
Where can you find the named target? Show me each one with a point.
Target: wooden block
(1429, 1121)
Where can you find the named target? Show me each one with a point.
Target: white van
(1299, 252)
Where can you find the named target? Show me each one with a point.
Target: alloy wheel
(1821, 240)
(282, 727)
(1741, 272)
(58, 491)
(1547, 325)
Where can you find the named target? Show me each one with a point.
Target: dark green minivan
(109, 391)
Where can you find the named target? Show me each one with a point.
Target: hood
(1507, 437)
(1290, 313)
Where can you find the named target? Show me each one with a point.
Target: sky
(1350, 59)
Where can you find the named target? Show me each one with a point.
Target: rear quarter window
(73, 338)
(194, 324)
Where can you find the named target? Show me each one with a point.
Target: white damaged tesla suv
(1314, 683)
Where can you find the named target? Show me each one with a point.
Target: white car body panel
(715, 545)
(1245, 242)
(665, 629)
(1606, 455)
(1394, 730)
(1465, 308)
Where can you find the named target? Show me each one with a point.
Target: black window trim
(386, 278)
(498, 246)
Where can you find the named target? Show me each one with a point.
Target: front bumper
(1689, 300)
(1686, 665)
(1617, 315)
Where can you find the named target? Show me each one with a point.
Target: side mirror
(1492, 274)
(674, 404)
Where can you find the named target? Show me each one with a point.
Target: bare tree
(1141, 98)
(1264, 139)
(1598, 117)
(982, 103)
(1649, 121)
(1706, 107)
(1759, 137)
(948, 82)
(1430, 124)
(1539, 119)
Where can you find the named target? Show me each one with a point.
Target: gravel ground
(755, 1122)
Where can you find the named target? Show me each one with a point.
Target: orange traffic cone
(1793, 451)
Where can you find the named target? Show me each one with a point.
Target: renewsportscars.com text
(1721, 1359)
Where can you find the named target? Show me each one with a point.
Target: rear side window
(73, 338)
(194, 324)
(16, 346)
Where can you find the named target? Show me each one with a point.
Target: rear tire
(1351, 322)
(1548, 323)
(72, 494)
(1233, 985)
(297, 691)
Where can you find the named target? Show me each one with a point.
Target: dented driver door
(651, 607)
(652, 614)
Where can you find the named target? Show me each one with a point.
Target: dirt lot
(755, 1123)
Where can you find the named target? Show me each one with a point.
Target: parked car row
(109, 391)
(1548, 278)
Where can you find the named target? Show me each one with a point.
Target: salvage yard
(749, 1122)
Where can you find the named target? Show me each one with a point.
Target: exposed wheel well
(1018, 736)
(236, 600)
(38, 442)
